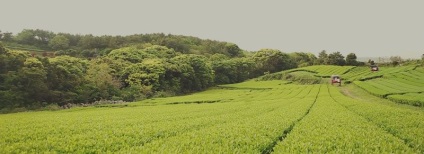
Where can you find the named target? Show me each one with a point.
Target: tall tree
(59, 42)
(233, 70)
(196, 72)
(100, 76)
(336, 58)
(37, 37)
(232, 50)
(43, 37)
(303, 59)
(31, 82)
(146, 73)
(65, 75)
(270, 60)
(26, 36)
(351, 59)
(323, 58)
(10, 63)
(7, 37)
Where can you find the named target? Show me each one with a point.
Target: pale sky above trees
(377, 28)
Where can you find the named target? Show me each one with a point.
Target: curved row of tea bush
(99, 130)
(331, 128)
(404, 122)
(327, 70)
(278, 118)
(416, 99)
(401, 87)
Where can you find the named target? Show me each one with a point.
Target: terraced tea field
(399, 84)
(403, 84)
(250, 117)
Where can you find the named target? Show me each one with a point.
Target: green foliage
(232, 70)
(302, 78)
(160, 51)
(303, 59)
(89, 68)
(31, 82)
(6, 36)
(41, 39)
(65, 76)
(270, 60)
(323, 58)
(11, 64)
(351, 59)
(59, 42)
(36, 37)
(249, 117)
(336, 58)
(146, 73)
(295, 76)
(26, 37)
(196, 74)
(100, 76)
(233, 50)
(131, 54)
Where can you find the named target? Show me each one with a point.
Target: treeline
(137, 71)
(90, 46)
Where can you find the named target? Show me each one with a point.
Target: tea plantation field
(273, 116)
(402, 84)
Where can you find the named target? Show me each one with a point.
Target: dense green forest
(39, 68)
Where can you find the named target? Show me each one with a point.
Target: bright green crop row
(404, 122)
(397, 86)
(331, 128)
(375, 90)
(252, 84)
(108, 129)
(328, 70)
(248, 119)
(415, 99)
(224, 93)
(386, 71)
(356, 73)
(408, 78)
(364, 73)
(390, 86)
(247, 135)
(142, 127)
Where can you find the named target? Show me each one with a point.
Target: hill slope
(401, 84)
(250, 117)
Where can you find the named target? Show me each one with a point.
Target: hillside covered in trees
(40, 68)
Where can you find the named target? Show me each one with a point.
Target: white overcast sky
(369, 28)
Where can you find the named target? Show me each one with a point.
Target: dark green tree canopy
(323, 58)
(351, 59)
(336, 58)
(270, 60)
(88, 68)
